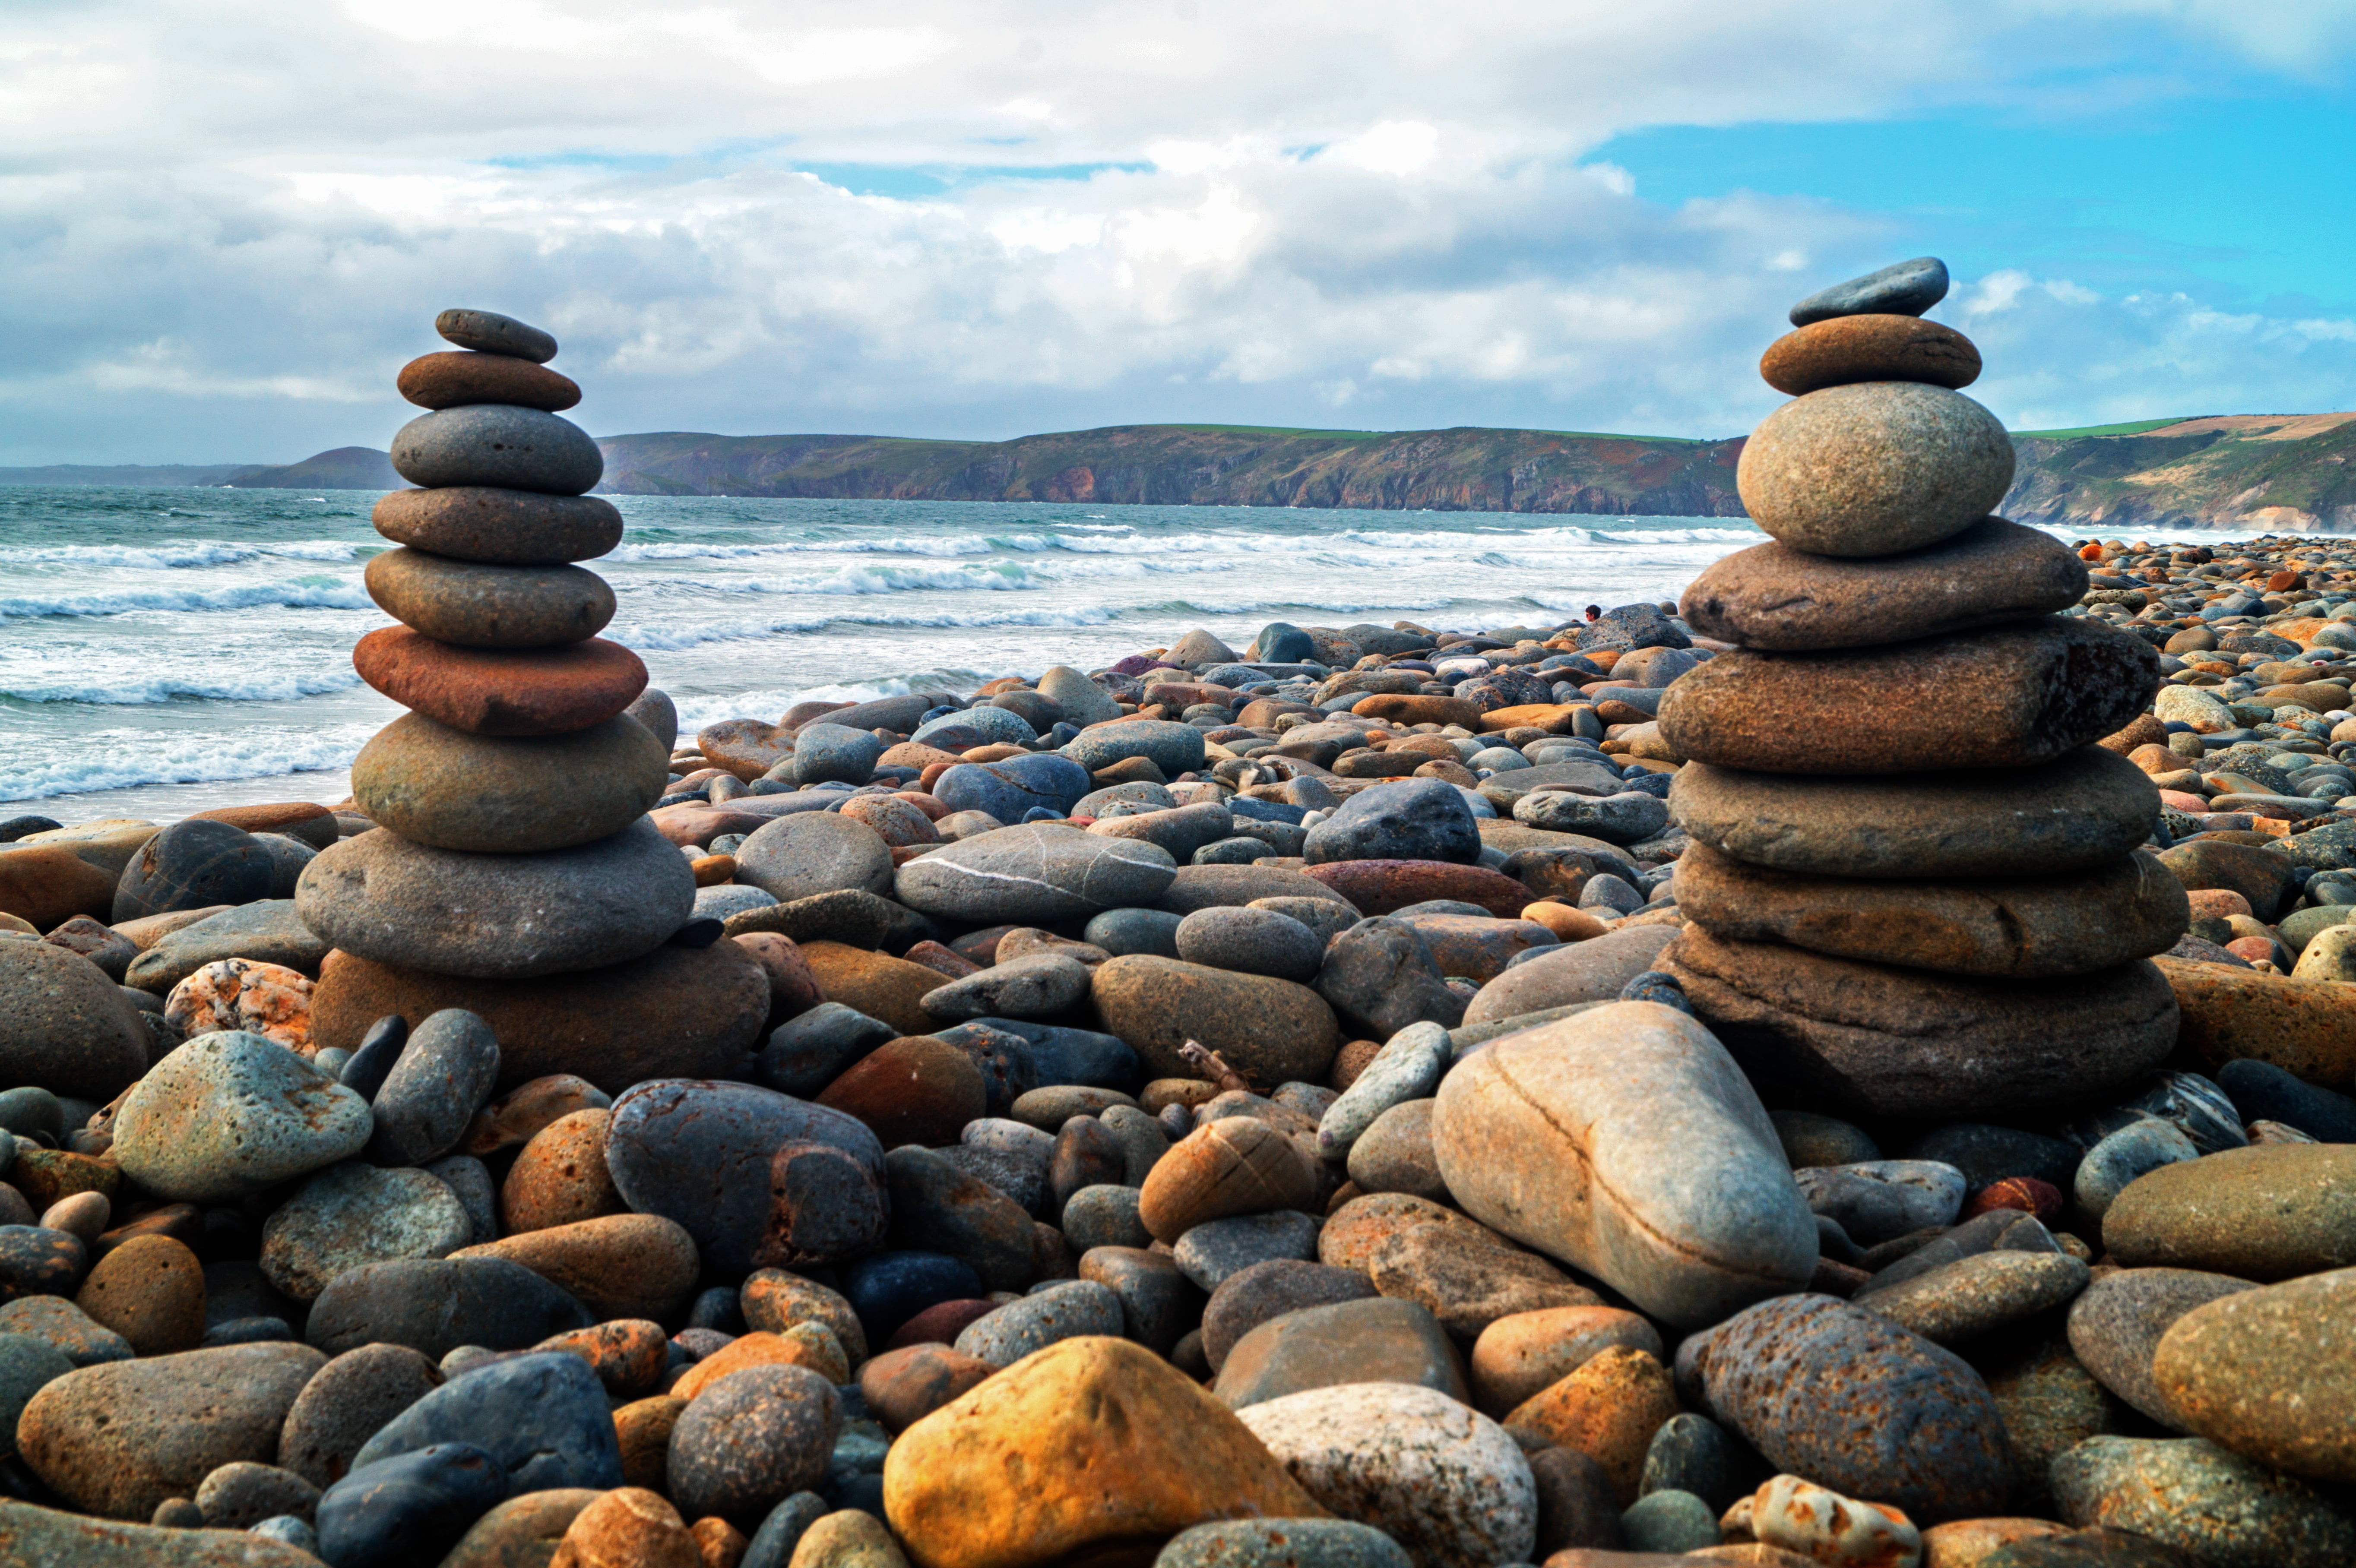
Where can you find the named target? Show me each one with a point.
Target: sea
(168, 651)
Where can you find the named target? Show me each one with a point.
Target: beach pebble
(1275, 1029)
(229, 1114)
(345, 1404)
(1034, 874)
(2260, 1372)
(421, 1500)
(436, 1305)
(1903, 288)
(2116, 1328)
(1251, 941)
(1418, 820)
(2194, 1496)
(1886, 1199)
(1382, 976)
(1217, 1251)
(479, 606)
(513, 528)
(542, 1416)
(499, 446)
(488, 332)
(193, 864)
(2260, 1214)
(355, 1214)
(150, 1290)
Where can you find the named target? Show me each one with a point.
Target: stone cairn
(512, 842)
(1914, 888)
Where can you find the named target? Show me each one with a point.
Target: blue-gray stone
(497, 444)
(1061, 1054)
(1904, 288)
(1069, 1309)
(2136, 1150)
(442, 1078)
(410, 1508)
(1693, 1453)
(193, 864)
(1281, 641)
(488, 332)
(1631, 626)
(807, 1052)
(1413, 819)
(1172, 747)
(725, 898)
(1244, 805)
(28, 1363)
(1104, 1216)
(1669, 1521)
(889, 1288)
(543, 1417)
(998, 724)
(1121, 932)
(436, 1305)
(380, 1051)
(1282, 1542)
(1123, 799)
(773, 1545)
(1213, 1253)
(1655, 985)
(2265, 1093)
(1009, 788)
(1409, 1067)
(1035, 875)
(824, 751)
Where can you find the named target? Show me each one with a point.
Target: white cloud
(225, 227)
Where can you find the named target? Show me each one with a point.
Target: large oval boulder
(227, 1115)
(1625, 1142)
(64, 1026)
(1278, 1030)
(1034, 875)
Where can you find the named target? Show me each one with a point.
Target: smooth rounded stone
(1628, 818)
(2263, 1092)
(1214, 1253)
(384, 898)
(1252, 942)
(1032, 875)
(192, 864)
(436, 1305)
(1395, 1153)
(265, 931)
(1085, 1154)
(444, 1074)
(1413, 819)
(1235, 1165)
(2135, 1150)
(2191, 1494)
(66, 1029)
(343, 1406)
(1874, 468)
(1282, 1543)
(1682, 1199)
(890, 1288)
(1038, 985)
(230, 1115)
(119, 1438)
(916, 1090)
(903, 1386)
(1975, 1296)
(1874, 346)
(1832, 1390)
(1693, 1453)
(814, 852)
(1104, 1216)
(242, 1493)
(685, 1011)
(488, 332)
(418, 1502)
(804, 1054)
(2029, 929)
(1596, 970)
(752, 1440)
(2078, 813)
(1409, 1067)
(1813, 1139)
(1008, 788)
(474, 605)
(1774, 597)
(55, 1319)
(1124, 932)
(42, 885)
(2260, 876)
(1159, 1308)
(1144, 1140)
(1443, 1481)
(1469, 1282)
(521, 1532)
(1875, 1038)
(151, 1290)
(1382, 976)
(1262, 1292)
(2305, 1027)
(2009, 696)
(1669, 1522)
(513, 692)
(2263, 1213)
(1172, 747)
(1354, 1341)
(1211, 887)
(1005, 1336)
(1328, 917)
(447, 380)
(827, 753)
(936, 1204)
(1119, 1445)
(1274, 1030)
(1521, 1354)
(726, 899)
(2264, 1373)
(1903, 288)
(503, 447)
(995, 725)
(700, 1154)
(510, 527)
(1882, 1200)
(543, 1416)
(28, 1363)
(356, 1214)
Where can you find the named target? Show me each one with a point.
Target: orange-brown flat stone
(1869, 349)
(450, 378)
(532, 691)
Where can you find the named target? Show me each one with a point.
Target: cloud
(224, 231)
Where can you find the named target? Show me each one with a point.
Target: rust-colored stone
(628, 1354)
(630, 1527)
(619, 1266)
(1236, 1164)
(517, 1116)
(884, 987)
(1607, 1409)
(150, 1290)
(643, 1428)
(456, 377)
(1869, 349)
(2305, 1027)
(903, 1386)
(517, 691)
(1378, 887)
(46, 885)
(561, 1176)
(918, 1089)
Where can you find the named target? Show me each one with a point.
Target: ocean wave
(123, 759)
(669, 639)
(180, 554)
(286, 687)
(329, 595)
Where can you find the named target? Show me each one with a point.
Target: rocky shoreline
(1854, 1068)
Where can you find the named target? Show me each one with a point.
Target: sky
(224, 228)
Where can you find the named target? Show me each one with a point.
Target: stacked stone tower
(512, 842)
(1914, 888)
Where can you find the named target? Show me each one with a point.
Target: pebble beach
(1850, 1064)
